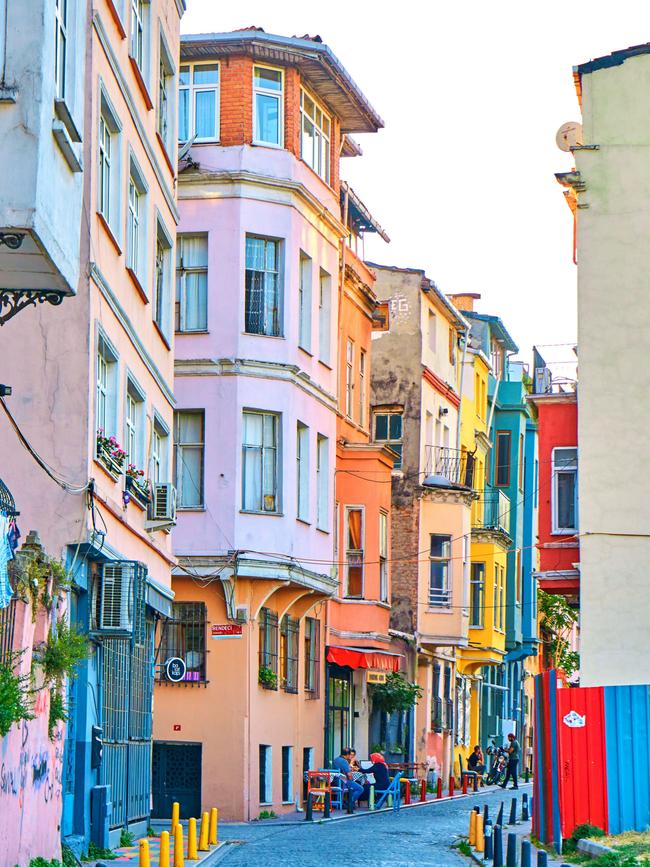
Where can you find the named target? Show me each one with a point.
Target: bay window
(267, 106)
(191, 283)
(262, 315)
(315, 136)
(354, 551)
(198, 102)
(439, 570)
(322, 482)
(260, 462)
(188, 458)
(383, 557)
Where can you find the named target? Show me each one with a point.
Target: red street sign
(177, 727)
(227, 630)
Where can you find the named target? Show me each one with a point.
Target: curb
(589, 847)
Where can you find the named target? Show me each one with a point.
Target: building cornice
(486, 536)
(359, 636)
(224, 178)
(558, 397)
(441, 386)
(277, 371)
(448, 495)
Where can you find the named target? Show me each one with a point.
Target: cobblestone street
(414, 837)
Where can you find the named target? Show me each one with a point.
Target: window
(289, 634)
(520, 468)
(322, 482)
(388, 429)
(499, 597)
(108, 175)
(136, 224)
(198, 102)
(302, 471)
(60, 46)
(324, 316)
(496, 359)
(134, 424)
(502, 469)
(383, 557)
(287, 774)
(260, 462)
(436, 699)
(315, 137)
(518, 576)
(477, 595)
(188, 458)
(164, 124)
(161, 288)
(262, 287)
(362, 388)
(502, 598)
(565, 490)
(432, 331)
(349, 379)
(159, 451)
(354, 533)
(268, 650)
(106, 390)
(312, 657)
(267, 106)
(452, 346)
(266, 774)
(184, 636)
(439, 557)
(137, 32)
(104, 175)
(191, 283)
(304, 303)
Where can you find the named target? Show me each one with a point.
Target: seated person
(379, 769)
(476, 762)
(342, 764)
(354, 764)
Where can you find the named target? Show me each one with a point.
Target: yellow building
(490, 542)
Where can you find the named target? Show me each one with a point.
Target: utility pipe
(462, 379)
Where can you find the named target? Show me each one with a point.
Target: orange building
(358, 615)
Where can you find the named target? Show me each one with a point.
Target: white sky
(472, 94)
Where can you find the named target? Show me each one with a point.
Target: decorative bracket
(15, 300)
(13, 240)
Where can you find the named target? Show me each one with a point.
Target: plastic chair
(336, 787)
(471, 775)
(395, 789)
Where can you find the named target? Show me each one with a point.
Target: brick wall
(405, 566)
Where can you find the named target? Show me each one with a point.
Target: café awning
(356, 657)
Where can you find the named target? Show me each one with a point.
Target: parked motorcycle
(498, 765)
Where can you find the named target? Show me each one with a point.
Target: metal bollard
(163, 858)
(327, 806)
(464, 781)
(143, 853)
(350, 802)
(500, 816)
(309, 812)
(192, 853)
(407, 792)
(214, 822)
(527, 775)
(513, 812)
(175, 815)
(452, 784)
(439, 788)
(486, 814)
(472, 828)
(524, 808)
(511, 853)
(487, 856)
(479, 832)
(179, 860)
(526, 853)
(371, 798)
(497, 847)
(476, 783)
(203, 833)
(542, 858)
(423, 790)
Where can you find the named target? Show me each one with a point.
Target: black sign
(175, 669)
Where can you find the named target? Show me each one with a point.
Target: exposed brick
(405, 566)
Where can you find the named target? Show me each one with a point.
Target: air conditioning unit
(116, 598)
(162, 508)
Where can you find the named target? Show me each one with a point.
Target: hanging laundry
(14, 535)
(6, 555)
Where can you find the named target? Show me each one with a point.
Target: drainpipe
(462, 378)
(340, 301)
(494, 401)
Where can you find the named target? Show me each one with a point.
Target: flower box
(139, 490)
(109, 462)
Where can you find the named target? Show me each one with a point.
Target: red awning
(363, 658)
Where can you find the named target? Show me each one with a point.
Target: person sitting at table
(354, 764)
(476, 762)
(379, 770)
(342, 764)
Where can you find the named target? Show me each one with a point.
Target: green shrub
(63, 653)
(58, 711)
(96, 852)
(126, 838)
(15, 703)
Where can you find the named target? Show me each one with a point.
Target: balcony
(492, 512)
(445, 467)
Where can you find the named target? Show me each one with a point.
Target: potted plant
(137, 485)
(267, 678)
(110, 453)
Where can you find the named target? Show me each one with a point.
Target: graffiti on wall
(38, 769)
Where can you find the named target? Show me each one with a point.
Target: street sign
(175, 669)
(227, 630)
(375, 677)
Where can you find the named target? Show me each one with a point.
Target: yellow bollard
(203, 834)
(192, 854)
(179, 860)
(480, 839)
(143, 853)
(214, 818)
(175, 815)
(163, 860)
(472, 829)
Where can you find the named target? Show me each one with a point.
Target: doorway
(176, 777)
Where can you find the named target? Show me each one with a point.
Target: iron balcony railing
(492, 512)
(452, 465)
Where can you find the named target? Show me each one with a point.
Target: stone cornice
(491, 537)
(448, 495)
(277, 371)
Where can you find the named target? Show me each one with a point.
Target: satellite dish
(569, 136)
(186, 147)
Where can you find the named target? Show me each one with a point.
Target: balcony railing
(492, 512)
(451, 465)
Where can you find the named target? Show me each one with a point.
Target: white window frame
(279, 95)
(322, 482)
(137, 36)
(384, 590)
(444, 594)
(159, 471)
(320, 159)
(179, 448)
(355, 551)
(112, 130)
(60, 46)
(161, 299)
(556, 470)
(390, 442)
(349, 378)
(182, 271)
(302, 472)
(324, 316)
(267, 484)
(304, 301)
(277, 327)
(135, 423)
(165, 111)
(136, 233)
(192, 89)
(363, 355)
(104, 173)
(107, 379)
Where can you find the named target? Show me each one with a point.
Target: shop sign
(227, 630)
(375, 677)
(175, 669)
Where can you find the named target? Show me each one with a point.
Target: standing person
(513, 749)
(342, 764)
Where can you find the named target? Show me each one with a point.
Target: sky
(462, 175)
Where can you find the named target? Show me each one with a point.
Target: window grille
(268, 649)
(7, 626)
(289, 653)
(312, 657)
(184, 636)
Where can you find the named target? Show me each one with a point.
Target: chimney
(464, 300)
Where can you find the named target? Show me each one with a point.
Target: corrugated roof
(616, 58)
(320, 67)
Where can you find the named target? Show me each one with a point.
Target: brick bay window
(260, 462)
(439, 564)
(312, 657)
(262, 315)
(354, 551)
(268, 649)
(289, 634)
(198, 102)
(184, 637)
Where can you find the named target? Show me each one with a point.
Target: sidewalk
(131, 854)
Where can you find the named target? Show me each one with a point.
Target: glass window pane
(193, 250)
(565, 457)
(205, 113)
(196, 318)
(252, 429)
(190, 427)
(566, 500)
(267, 118)
(183, 114)
(207, 73)
(440, 545)
(396, 427)
(381, 427)
(190, 475)
(184, 76)
(270, 79)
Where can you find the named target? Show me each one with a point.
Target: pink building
(256, 422)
